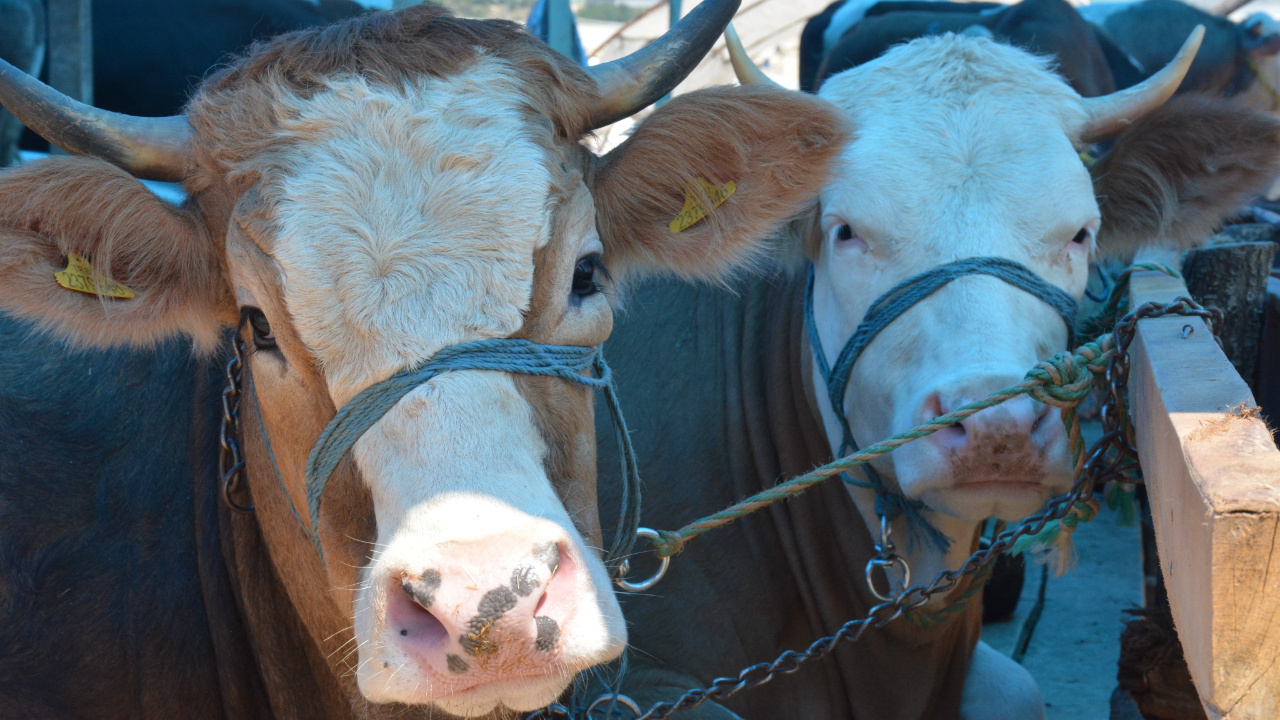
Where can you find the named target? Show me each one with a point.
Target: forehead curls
(237, 113)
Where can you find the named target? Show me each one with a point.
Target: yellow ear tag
(694, 210)
(79, 276)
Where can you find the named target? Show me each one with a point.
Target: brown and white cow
(961, 147)
(362, 196)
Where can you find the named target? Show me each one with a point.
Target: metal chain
(230, 464)
(1112, 457)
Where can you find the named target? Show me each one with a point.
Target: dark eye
(844, 232)
(1081, 236)
(584, 275)
(263, 338)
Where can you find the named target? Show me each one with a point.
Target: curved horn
(1110, 114)
(747, 72)
(148, 148)
(630, 84)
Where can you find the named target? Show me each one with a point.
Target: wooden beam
(71, 48)
(1213, 475)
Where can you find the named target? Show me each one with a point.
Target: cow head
(361, 197)
(963, 147)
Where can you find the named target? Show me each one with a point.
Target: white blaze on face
(963, 148)
(407, 222)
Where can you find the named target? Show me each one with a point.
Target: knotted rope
(1062, 381)
(511, 355)
(889, 307)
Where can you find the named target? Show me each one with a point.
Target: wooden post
(70, 51)
(560, 27)
(1213, 475)
(1269, 359)
(1231, 273)
(673, 15)
(71, 48)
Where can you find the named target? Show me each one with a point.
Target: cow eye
(1081, 236)
(263, 338)
(586, 275)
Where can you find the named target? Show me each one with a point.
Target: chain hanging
(230, 464)
(1112, 457)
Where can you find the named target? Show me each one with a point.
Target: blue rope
(889, 307)
(512, 355)
(271, 454)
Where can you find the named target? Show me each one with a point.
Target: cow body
(1044, 27)
(149, 56)
(137, 574)
(366, 202)
(964, 148)
(731, 412)
(1237, 60)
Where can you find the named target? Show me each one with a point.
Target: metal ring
(621, 581)
(232, 477)
(619, 698)
(885, 564)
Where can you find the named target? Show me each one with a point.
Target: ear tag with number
(694, 210)
(79, 276)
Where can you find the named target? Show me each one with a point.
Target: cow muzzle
(1005, 461)
(504, 618)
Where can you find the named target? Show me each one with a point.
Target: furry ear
(776, 147)
(1173, 175)
(53, 208)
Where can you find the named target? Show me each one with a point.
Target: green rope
(1062, 381)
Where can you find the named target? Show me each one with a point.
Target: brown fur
(1173, 175)
(62, 205)
(235, 112)
(777, 146)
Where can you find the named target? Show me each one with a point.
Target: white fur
(964, 147)
(407, 222)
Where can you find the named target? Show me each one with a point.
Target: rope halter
(891, 504)
(511, 355)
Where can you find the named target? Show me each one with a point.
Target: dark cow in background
(361, 197)
(150, 55)
(962, 148)
(1043, 27)
(22, 41)
(1241, 61)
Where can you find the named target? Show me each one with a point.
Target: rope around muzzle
(513, 355)
(1062, 381)
(889, 307)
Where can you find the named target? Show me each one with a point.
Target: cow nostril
(409, 615)
(541, 601)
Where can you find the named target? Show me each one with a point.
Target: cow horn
(148, 148)
(630, 84)
(1110, 114)
(747, 72)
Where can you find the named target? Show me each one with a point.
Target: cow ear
(89, 254)
(1176, 173)
(709, 176)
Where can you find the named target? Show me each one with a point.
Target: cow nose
(1019, 420)
(499, 601)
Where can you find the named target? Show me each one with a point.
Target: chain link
(230, 464)
(1112, 457)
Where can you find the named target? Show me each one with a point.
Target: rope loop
(1060, 381)
(668, 543)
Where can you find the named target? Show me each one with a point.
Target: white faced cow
(961, 148)
(362, 197)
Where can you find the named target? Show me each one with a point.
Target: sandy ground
(1075, 646)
